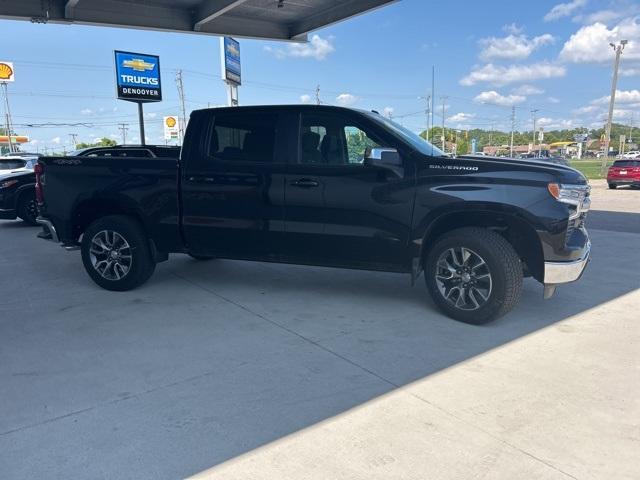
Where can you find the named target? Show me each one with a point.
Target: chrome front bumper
(565, 272)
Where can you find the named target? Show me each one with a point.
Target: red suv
(624, 172)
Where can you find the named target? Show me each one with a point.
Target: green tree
(103, 142)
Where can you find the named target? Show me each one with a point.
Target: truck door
(340, 211)
(233, 186)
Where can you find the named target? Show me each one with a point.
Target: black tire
(613, 186)
(141, 264)
(501, 262)
(28, 208)
(201, 258)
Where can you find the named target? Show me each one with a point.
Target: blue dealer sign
(138, 77)
(231, 60)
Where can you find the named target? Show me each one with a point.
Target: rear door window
(243, 137)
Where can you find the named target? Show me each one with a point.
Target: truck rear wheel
(474, 275)
(28, 208)
(116, 253)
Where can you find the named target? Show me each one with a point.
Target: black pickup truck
(329, 186)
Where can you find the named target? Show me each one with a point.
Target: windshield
(415, 140)
(11, 163)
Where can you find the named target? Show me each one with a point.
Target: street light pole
(444, 145)
(534, 112)
(614, 85)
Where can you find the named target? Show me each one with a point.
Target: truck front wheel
(474, 275)
(116, 253)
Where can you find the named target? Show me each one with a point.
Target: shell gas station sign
(7, 73)
(171, 128)
(15, 139)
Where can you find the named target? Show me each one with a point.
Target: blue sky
(488, 55)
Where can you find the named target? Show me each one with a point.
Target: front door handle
(305, 183)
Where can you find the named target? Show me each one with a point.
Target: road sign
(230, 57)
(541, 135)
(171, 128)
(580, 137)
(138, 77)
(7, 73)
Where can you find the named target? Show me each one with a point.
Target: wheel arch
(513, 227)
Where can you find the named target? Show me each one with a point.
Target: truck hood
(565, 174)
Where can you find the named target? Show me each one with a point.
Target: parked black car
(328, 186)
(17, 192)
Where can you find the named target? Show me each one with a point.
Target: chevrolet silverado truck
(327, 186)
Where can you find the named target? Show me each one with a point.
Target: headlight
(8, 183)
(577, 196)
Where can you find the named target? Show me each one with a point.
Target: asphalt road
(238, 370)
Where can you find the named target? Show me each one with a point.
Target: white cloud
(461, 117)
(564, 10)
(527, 90)
(590, 44)
(346, 99)
(555, 123)
(501, 75)
(318, 48)
(387, 112)
(513, 29)
(86, 111)
(495, 98)
(553, 100)
(622, 96)
(630, 72)
(56, 140)
(305, 98)
(151, 115)
(512, 47)
(586, 109)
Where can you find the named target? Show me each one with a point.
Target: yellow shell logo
(5, 71)
(171, 122)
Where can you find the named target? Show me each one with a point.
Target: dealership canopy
(267, 19)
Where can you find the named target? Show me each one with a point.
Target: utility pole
(513, 127)
(123, 127)
(631, 129)
(433, 86)
(318, 102)
(614, 85)
(444, 145)
(182, 121)
(534, 112)
(427, 111)
(7, 112)
(74, 140)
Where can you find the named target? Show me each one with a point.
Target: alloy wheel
(110, 255)
(463, 278)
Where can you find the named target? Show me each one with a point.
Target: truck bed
(146, 188)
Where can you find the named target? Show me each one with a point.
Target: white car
(631, 155)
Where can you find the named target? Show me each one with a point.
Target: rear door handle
(305, 183)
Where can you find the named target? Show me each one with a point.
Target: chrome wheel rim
(110, 255)
(463, 278)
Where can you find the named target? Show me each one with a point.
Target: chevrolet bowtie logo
(138, 65)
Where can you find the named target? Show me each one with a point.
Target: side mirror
(387, 158)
